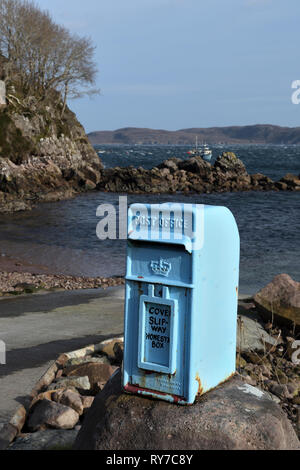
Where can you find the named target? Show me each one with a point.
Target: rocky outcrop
(43, 156)
(280, 299)
(233, 416)
(192, 175)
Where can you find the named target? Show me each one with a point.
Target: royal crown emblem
(161, 267)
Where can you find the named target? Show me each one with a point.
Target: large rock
(71, 399)
(233, 416)
(80, 383)
(54, 439)
(229, 163)
(260, 181)
(171, 164)
(96, 373)
(196, 165)
(48, 414)
(292, 181)
(251, 336)
(87, 402)
(76, 361)
(107, 347)
(281, 299)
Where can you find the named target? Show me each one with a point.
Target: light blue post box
(181, 300)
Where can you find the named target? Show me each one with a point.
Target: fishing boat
(206, 153)
(203, 152)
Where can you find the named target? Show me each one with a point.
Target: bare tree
(79, 70)
(45, 55)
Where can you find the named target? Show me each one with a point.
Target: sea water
(62, 235)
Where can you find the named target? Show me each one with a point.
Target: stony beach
(20, 277)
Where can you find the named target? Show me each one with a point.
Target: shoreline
(174, 175)
(20, 277)
(11, 264)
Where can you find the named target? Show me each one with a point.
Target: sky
(175, 64)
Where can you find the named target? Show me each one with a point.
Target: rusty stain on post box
(181, 300)
(200, 388)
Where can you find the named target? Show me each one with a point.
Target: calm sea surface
(63, 237)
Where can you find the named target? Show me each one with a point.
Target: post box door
(158, 332)
(157, 353)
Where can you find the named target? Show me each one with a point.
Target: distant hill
(256, 134)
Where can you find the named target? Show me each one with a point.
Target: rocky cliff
(43, 156)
